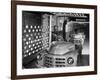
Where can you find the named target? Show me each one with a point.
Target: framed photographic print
(53, 39)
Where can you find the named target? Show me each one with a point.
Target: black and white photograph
(54, 39)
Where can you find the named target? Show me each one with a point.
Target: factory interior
(47, 39)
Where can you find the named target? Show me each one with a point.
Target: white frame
(21, 71)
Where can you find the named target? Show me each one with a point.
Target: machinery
(61, 54)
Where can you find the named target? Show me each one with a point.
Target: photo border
(14, 39)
